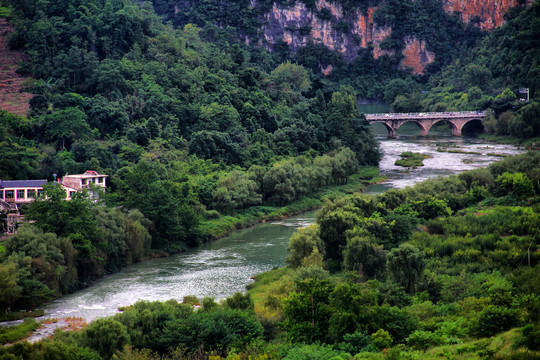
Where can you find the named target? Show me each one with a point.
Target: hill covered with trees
(197, 139)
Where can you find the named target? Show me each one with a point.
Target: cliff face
(490, 13)
(297, 24)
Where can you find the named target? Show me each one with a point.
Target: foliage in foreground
(467, 291)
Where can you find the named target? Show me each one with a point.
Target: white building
(16, 192)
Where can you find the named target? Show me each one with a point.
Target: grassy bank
(18, 315)
(532, 144)
(223, 225)
(17, 332)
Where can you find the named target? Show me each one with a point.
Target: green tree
(64, 126)
(333, 226)
(302, 244)
(381, 339)
(306, 312)
(291, 77)
(236, 191)
(48, 264)
(504, 101)
(11, 291)
(406, 265)
(527, 123)
(364, 256)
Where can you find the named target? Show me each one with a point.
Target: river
(225, 266)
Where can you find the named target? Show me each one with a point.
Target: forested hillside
(416, 55)
(197, 139)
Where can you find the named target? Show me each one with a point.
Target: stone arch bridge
(425, 121)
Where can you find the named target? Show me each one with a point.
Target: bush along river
(223, 267)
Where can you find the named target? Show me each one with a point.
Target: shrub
(355, 342)
(239, 301)
(494, 319)
(531, 336)
(106, 336)
(311, 352)
(18, 332)
(381, 339)
(423, 340)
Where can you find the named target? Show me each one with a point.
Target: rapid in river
(223, 267)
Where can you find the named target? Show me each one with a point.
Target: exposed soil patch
(49, 326)
(12, 97)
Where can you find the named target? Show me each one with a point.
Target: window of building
(10, 194)
(71, 194)
(31, 194)
(2, 194)
(20, 194)
(40, 192)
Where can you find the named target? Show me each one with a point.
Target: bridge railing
(447, 114)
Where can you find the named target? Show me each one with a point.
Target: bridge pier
(456, 131)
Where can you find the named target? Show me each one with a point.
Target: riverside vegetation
(410, 159)
(447, 268)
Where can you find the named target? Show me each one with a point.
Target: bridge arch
(473, 126)
(392, 134)
(421, 126)
(456, 126)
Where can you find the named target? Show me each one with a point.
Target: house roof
(22, 183)
(87, 174)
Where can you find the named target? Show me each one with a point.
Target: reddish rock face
(416, 55)
(489, 12)
(287, 23)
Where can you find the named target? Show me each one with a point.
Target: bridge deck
(426, 115)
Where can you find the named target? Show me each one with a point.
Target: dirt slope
(12, 98)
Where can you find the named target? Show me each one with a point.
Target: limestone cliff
(489, 13)
(296, 25)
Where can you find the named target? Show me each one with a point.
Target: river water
(225, 266)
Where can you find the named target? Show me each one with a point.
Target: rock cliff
(488, 13)
(346, 33)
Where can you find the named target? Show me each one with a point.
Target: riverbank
(223, 226)
(220, 268)
(529, 144)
